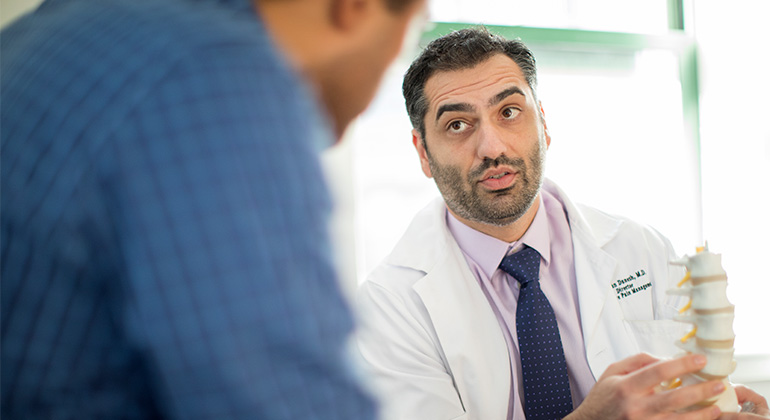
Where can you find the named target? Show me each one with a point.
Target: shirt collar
(487, 251)
(538, 236)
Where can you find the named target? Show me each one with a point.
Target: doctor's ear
(545, 126)
(422, 152)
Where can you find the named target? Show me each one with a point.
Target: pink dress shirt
(550, 235)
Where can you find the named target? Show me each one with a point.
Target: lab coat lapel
(468, 331)
(604, 333)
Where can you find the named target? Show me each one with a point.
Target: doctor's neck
(507, 231)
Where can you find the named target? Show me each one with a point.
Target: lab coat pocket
(657, 337)
(464, 416)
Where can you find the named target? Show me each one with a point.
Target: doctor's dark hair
(459, 50)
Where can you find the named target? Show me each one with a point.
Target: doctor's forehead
(479, 83)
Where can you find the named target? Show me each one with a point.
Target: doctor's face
(485, 141)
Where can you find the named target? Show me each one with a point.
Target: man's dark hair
(459, 50)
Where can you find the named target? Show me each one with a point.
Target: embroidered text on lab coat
(628, 286)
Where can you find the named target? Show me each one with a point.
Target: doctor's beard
(465, 197)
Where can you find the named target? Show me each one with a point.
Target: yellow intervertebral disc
(689, 335)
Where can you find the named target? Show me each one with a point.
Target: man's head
(459, 50)
(479, 129)
(343, 47)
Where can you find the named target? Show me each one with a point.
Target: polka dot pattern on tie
(547, 393)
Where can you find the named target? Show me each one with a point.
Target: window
(625, 113)
(636, 16)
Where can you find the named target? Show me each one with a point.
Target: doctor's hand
(628, 390)
(754, 405)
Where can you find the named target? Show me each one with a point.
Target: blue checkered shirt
(164, 221)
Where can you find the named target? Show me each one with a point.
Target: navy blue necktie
(547, 393)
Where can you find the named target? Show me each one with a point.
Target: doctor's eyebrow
(504, 94)
(461, 107)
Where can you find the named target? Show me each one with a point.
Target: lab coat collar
(487, 251)
(599, 227)
(426, 228)
(592, 227)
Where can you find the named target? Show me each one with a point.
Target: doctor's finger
(743, 416)
(652, 375)
(630, 364)
(687, 396)
(758, 402)
(705, 413)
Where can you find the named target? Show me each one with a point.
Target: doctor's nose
(490, 143)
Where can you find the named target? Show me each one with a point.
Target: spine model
(712, 317)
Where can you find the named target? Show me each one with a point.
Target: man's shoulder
(636, 246)
(424, 242)
(411, 256)
(93, 36)
(189, 20)
(628, 224)
(394, 277)
(390, 290)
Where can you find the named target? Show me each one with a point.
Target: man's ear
(421, 152)
(545, 126)
(346, 14)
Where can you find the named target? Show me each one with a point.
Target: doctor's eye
(457, 126)
(510, 113)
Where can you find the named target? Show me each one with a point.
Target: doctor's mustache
(514, 163)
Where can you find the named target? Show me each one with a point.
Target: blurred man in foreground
(164, 215)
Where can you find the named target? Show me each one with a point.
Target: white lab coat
(433, 348)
